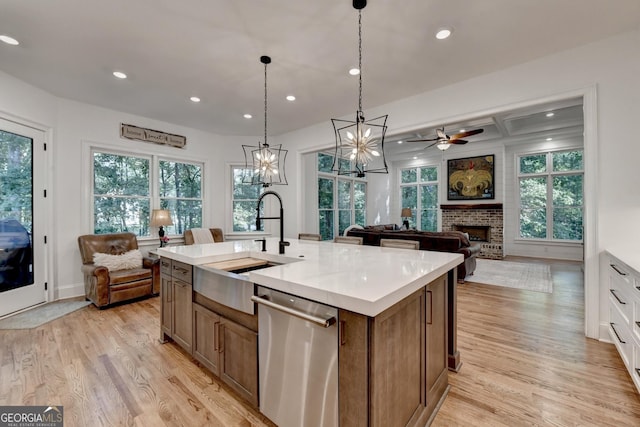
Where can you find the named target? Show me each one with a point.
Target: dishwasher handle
(325, 323)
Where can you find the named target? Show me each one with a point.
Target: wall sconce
(160, 218)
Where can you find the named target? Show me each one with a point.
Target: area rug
(41, 314)
(521, 275)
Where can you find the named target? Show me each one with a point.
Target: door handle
(325, 323)
(429, 308)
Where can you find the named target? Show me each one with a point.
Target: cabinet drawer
(635, 367)
(621, 336)
(181, 271)
(635, 321)
(620, 295)
(165, 266)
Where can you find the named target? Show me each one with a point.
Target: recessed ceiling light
(462, 130)
(550, 114)
(354, 71)
(400, 142)
(120, 74)
(9, 40)
(415, 158)
(247, 116)
(291, 98)
(443, 33)
(195, 99)
(549, 139)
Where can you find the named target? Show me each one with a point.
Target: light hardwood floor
(525, 362)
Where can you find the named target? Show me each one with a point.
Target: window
(124, 192)
(244, 199)
(341, 200)
(419, 192)
(181, 193)
(551, 195)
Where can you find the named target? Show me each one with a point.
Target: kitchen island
(395, 329)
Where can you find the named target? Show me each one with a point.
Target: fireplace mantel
(473, 206)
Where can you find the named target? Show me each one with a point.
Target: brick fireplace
(483, 222)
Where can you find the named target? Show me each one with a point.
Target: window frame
(418, 184)
(336, 179)
(154, 185)
(232, 167)
(549, 174)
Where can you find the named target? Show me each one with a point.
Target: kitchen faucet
(282, 243)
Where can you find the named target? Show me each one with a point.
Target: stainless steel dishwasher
(298, 360)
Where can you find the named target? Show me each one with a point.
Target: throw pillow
(126, 261)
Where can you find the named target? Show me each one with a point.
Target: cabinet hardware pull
(342, 331)
(216, 334)
(430, 308)
(221, 338)
(620, 272)
(616, 332)
(613, 292)
(325, 323)
(181, 269)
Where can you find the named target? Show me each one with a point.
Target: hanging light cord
(360, 62)
(265, 105)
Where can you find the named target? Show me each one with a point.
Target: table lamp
(160, 218)
(406, 214)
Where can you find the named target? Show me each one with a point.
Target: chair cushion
(126, 261)
(125, 276)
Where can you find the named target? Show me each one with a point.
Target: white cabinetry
(624, 313)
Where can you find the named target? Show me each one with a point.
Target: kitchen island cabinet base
(393, 368)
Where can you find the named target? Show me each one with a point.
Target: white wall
(72, 128)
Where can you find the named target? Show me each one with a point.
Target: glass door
(21, 217)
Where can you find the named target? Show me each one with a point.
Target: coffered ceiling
(545, 122)
(172, 50)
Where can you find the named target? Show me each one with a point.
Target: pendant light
(264, 164)
(360, 143)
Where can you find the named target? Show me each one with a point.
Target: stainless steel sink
(230, 288)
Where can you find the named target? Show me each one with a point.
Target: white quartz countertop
(362, 279)
(629, 256)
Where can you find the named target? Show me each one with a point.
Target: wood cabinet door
(397, 363)
(166, 297)
(182, 311)
(436, 336)
(206, 328)
(353, 369)
(238, 348)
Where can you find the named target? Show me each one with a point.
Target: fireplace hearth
(477, 233)
(483, 222)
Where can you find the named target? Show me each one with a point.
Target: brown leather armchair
(104, 287)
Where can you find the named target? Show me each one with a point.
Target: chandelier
(360, 143)
(264, 164)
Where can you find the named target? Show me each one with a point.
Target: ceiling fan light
(443, 146)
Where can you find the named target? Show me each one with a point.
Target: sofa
(441, 241)
(115, 271)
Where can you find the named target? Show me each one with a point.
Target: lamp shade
(160, 218)
(406, 212)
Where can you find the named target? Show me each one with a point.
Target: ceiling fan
(443, 141)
